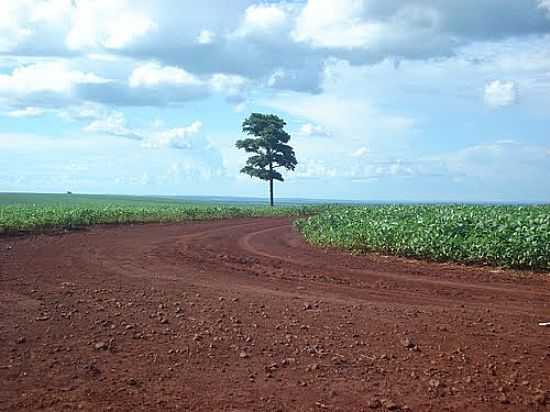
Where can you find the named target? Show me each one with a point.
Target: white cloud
(180, 138)
(499, 93)
(507, 161)
(361, 152)
(55, 77)
(12, 32)
(112, 24)
(231, 86)
(350, 118)
(326, 23)
(175, 83)
(310, 129)
(113, 124)
(20, 20)
(50, 11)
(410, 29)
(263, 18)
(314, 168)
(545, 5)
(206, 37)
(152, 74)
(26, 112)
(85, 111)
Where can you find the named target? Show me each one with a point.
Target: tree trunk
(271, 192)
(270, 184)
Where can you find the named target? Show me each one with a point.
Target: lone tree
(269, 147)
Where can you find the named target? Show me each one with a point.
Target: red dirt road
(242, 315)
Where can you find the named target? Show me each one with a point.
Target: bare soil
(242, 315)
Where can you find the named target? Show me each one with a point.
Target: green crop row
(33, 213)
(509, 236)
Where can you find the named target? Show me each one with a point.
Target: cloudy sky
(384, 99)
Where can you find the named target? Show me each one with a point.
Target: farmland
(41, 212)
(510, 236)
(242, 314)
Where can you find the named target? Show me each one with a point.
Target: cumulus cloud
(499, 93)
(55, 77)
(12, 33)
(376, 29)
(361, 152)
(148, 84)
(206, 37)
(197, 158)
(257, 40)
(232, 86)
(152, 74)
(325, 23)
(44, 85)
(262, 18)
(114, 123)
(310, 129)
(545, 5)
(85, 111)
(352, 118)
(26, 112)
(110, 24)
(314, 168)
(388, 169)
(503, 161)
(179, 138)
(173, 84)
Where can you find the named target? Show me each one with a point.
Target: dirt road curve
(241, 315)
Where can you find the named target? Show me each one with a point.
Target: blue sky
(385, 99)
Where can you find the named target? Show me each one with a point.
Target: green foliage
(510, 236)
(269, 147)
(36, 212)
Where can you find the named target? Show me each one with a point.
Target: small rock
(307, 306)
(542, 398)
(375, 404)
(244, 355)
(101, 346)
(92, 370)
(502, 398)
(21, 340)
(390, 405)
(164, 321)
(434, 383)
(289, 361)
(409, 343)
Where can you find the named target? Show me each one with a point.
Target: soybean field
(509, 236)
(21, 213)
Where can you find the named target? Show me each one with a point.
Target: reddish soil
(242, 315)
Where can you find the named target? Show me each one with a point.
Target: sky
(408, 100)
